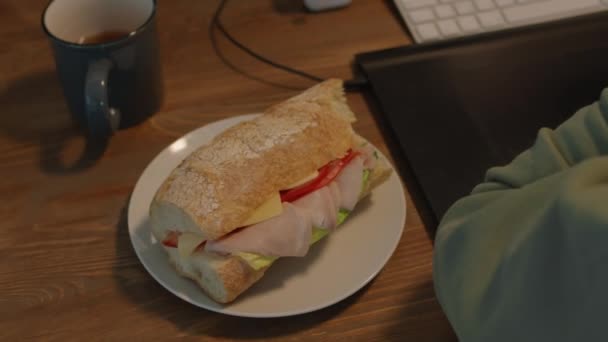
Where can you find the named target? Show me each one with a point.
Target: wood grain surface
(67, 269)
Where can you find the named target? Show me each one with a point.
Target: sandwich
(265, 189)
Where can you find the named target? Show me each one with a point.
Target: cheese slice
(303, 180)
(272, 207)
(187, 243)
(269, 209)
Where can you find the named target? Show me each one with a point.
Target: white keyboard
(430, 20)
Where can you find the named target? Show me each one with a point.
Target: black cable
(350, 85)
(220, 54)
(252, 53)
(355, 84)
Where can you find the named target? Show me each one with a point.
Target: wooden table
(68, 270)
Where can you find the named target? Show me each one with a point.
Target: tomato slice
(326, 175)
(295, 193)
(171, 239)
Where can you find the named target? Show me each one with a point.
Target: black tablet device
(455, 108)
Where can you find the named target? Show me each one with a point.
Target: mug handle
(102, 120)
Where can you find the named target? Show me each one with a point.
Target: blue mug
(107, 59)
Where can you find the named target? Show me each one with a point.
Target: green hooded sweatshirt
(524, 257)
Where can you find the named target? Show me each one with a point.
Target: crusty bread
(224, 278)
(218, 186)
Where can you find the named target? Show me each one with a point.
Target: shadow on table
(422, 319)
(394, 11)
(148, 295)
(289, 6)
(34, 111)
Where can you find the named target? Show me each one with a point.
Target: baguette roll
(216, 188)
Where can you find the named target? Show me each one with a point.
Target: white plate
(335, 267)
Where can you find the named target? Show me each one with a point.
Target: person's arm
(525, 256)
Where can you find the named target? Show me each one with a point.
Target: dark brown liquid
(103, 37)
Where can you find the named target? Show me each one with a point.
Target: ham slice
(369, 160)
(320, 207)
(285, 235)
(331, 208)
(334, 189)
(349, 183)
(289, 233)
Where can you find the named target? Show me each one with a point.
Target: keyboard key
(484, 5)
(418, 3)
(422, 15)
(540, 9)
(428, 31)
(468, 23)
(503, 3)
(444, 11)
(465, 7)
(448, 27)
(490, 19)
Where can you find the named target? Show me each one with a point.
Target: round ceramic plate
(335, 267)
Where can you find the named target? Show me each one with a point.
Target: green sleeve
(524, 257)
